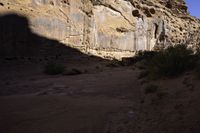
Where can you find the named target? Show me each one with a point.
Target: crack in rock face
(107, 27)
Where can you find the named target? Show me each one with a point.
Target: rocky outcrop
(113, 28)
(194, 40)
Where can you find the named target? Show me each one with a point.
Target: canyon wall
(107, 28)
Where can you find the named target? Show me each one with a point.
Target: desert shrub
(54, 69)
(144, 55)
(172, 61)
(142, 58)
(127, 61)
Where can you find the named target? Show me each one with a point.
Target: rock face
(113, 28)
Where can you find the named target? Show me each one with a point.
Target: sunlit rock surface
(108, 28)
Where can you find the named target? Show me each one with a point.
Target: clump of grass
(169, 62)
(54, 69)
(145, 55)
(142, 58)
(151, 88)
(172, 61)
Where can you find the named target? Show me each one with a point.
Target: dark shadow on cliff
(18, 41)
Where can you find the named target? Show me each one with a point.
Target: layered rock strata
(108, 28)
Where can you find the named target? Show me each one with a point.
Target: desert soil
(100, 100)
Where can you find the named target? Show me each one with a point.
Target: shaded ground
(83, 103)
(100, 100)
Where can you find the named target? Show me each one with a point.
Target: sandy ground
(100, 100)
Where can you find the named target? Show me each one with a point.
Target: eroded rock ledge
(114, 28)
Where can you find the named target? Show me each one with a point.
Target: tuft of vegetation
(145, 55)
(54, 69)
(142, 58)
(172, 61)
(169, 62)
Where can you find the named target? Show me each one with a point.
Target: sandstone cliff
(113, 28)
